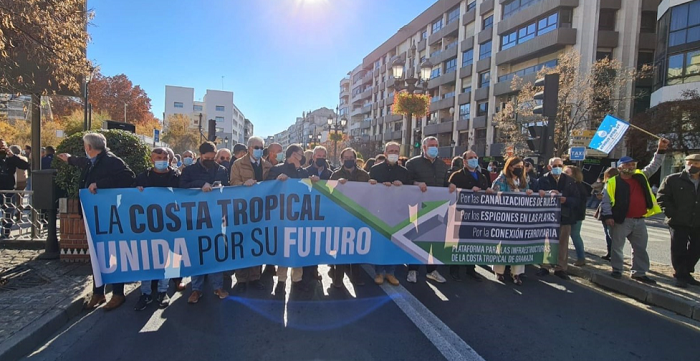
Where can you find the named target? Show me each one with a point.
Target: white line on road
(440, 335)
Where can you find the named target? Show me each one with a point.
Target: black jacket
(108, 171)
(421, 169)
(680, 200)
(465, 180)
(567, 187)
(384, 172)
(289, 169)
(313, 170)
(196, 175)
(8, 167)
(151, 178)
(580, 210)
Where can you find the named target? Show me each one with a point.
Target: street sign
(156, 135)
(577, 153)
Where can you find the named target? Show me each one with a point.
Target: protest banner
(164, 233)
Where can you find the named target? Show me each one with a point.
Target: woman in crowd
(609, 173)
(512, 179)
(579, 213)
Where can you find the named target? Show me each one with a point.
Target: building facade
(305, 129)
(476, 47)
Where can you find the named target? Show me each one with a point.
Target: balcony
(496, 149)
(444, 55)
(483, 64)
(433, 129)
(345, 81)
(367, 108)
(608, 39)
(421, 45)
(380, 120)
(464, 98)
(448, 78)
(504, 87)
(479, 148)
(447, 30)
(647, 41)
(445, 152)
(389, 100)
(466, 71)
(365, 124)
(486, 6)
(394, 117)
(481, 94)
(363, 137)
(446, 103)
(383, 69)
(467, 43)
(480, 122)
(381, 103)
(356, 97)
(367, 78)
(485, 35)
(374, 122)
(462, 125)
(375, 72)
(367, 93)
(344, 93)
(460, 149)
(356, 112)
(469, 17)
(611, 4)
(543, 44)
(390, 82)
(531, 13)
(393, 135)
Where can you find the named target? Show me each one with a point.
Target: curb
(23, 243)
(639, 292)
(36, 333)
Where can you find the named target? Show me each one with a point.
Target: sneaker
(114, 302)
(455, 276)
(517, 280)
(500, 278)
(681, 283)
(436, 276)
(194, 297)
(644, 279)
(379, 279)
(411, 277)
(542, 272)
(616, 274)
(221, 293)
(562, 274)
(606, 257)
(580, 263)
(143, 302)
(95, 301)
(392, 280)
(162, 299)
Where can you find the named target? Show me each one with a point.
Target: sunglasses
(558, 166)
(258, 147)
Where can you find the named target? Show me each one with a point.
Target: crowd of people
(623, 199)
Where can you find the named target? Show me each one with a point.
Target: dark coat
(567, 187)
(46, 161)
(8, 168)
(151, 178)
(384, 172)
(580, 211)
(433, 174)
(313, 170)
(289, 169)
(108, 171)
(680, 200)
(196, 175)
(465, 180)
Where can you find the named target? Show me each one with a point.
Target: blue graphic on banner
(577, 153)
(609, 133)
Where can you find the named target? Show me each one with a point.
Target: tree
(147, 126)
(343, 141)
(179, 135)
(73, 123)
(585, 96)
(42, 46)
(677, 120)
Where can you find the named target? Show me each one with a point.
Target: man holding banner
(627, 201)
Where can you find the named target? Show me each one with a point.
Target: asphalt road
(545, 319)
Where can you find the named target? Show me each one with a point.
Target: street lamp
(226, 141)
(337, 126)
(403, 82)
(88, 79)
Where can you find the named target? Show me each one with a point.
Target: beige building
(476, 47)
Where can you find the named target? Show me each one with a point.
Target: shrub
(123, 144)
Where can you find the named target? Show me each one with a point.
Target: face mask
(518, 172)
(303, 160)
(556, 171)
(432, 152)
(280, 157)
(473, 163)
(257, 153)
(209, 163)
(489, 168)
(392, 158)
(320, 162)
(161, 165)
(626, 171)
(225, 163)
(349, 163)
(692, 170)
(179, 164)
(187, 161)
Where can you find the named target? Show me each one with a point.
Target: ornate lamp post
(408, 84)
(336, 126)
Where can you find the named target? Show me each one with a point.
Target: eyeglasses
(258, 147)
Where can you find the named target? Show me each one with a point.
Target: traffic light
(549, 107)
(211, 132)
(538, 135)
(418, 135)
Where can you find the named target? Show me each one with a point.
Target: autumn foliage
(406, 103)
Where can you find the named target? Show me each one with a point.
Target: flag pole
(644, 131)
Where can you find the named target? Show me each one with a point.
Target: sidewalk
(37, 298)
(685, 302)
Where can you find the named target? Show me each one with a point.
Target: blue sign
(609, 133)
(156, 135)
(577, 153)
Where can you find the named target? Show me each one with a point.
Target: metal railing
(18, 218)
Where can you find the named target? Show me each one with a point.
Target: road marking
(440, 335)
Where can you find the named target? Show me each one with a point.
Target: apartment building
(216, 104)
(306, 128)
(476, 47)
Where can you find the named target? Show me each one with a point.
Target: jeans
(389, 270)
(608, 238)
(117, 289)
(593, 202)
(162, 286)
(578, 241)
(216, 279)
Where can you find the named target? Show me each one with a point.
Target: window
(685, 24)
(464, 111)
(515, 6)
(467, 89)
(644, 58)
(482, 109)
(648, 22)
(197, 108)
(219, 119)
(435, 73)
(547, 24)
(377, 64)
(453, 15)
(450, 65)
(529, 31)
(471, 6)
(467, 57)
(424, 34)
(178, 105)
(449, 95)
(220, 108)
(437, 26)
(529, 70)
(484, 79)
(683, 68)
(606, 20)
(485, 50)
(488, 22)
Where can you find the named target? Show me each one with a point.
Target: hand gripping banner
(164, 233)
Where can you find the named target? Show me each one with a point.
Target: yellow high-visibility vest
(655, 209)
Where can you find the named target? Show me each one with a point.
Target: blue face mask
(473, 163)
(257, 153)
(280, 157)
(179, 164)
(161, 165)
(92, 159)
(557, 171)
(187, 161)
(432, 152)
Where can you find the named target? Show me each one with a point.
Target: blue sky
(279, 57)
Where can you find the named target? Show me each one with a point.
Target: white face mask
(392, 158)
